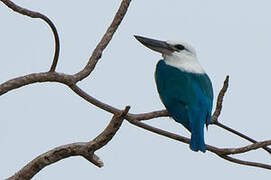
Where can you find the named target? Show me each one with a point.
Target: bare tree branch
(247, 163)
(240, 134)
(136, 118)
(50, 157)
(218, 111)
(110, 130)
(97, 53)
(220, 152)
(220, 100)
(34, 78)
(84, 149)
(34, 14)
(148, 116)
(228, 151)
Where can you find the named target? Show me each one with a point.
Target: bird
(183, 86)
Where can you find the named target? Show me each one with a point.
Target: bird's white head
(183, 57)
(175, 53)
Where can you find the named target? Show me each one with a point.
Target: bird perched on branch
(184, 87)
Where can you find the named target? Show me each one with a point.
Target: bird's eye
(179, 47)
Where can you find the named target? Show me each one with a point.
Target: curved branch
(97, 53)
(84, 149)
(34, 78)
(34, 14)
(111, 109)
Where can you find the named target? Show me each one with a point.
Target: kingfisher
(183, 86)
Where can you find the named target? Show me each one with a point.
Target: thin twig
(220, 100)
(241, 135)
(34, 14)
(247, 163)
(244, 149)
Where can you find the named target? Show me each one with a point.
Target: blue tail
(197, 136)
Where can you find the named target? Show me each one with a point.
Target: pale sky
(230, 37)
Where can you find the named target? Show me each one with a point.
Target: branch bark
(223, 153)
(97, 53)
(84, 149)
(34, 14)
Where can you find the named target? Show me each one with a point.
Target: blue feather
(188, 98)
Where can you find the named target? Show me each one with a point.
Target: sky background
(231, 38)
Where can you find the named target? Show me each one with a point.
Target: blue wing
(188, 98)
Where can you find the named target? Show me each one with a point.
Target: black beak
(156, 45)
